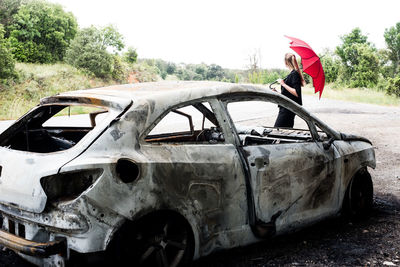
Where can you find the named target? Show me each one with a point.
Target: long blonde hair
(291, 62)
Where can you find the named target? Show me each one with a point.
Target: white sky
(226, 32)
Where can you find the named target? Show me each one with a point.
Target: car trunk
(33, 148)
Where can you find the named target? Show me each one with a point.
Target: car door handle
(260, 162)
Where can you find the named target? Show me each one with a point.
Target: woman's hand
(280, 81)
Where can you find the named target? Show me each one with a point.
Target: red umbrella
(311, 63)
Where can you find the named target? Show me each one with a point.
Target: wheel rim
(164, 245)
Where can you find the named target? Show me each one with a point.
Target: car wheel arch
(361, 175)
(189, 221)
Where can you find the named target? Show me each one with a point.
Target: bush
(41, 32)
(331, 68)
(394, 86)
(383, 83)
(7, 62)
(120, 69)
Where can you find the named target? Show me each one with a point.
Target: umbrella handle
(270, 86)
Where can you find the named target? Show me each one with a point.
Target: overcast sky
(226, 32)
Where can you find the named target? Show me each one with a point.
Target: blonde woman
(291, 88)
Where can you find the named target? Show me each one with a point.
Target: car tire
(358, 199)
(157, 241)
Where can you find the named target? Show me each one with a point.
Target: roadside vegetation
(43, 52)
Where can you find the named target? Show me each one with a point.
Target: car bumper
(32, 248)
(84, 227)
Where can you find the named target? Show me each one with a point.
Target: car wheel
(157, 241)
(359, 196)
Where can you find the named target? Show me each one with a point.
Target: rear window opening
(52, 128)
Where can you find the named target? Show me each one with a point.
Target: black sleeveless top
(294, 81)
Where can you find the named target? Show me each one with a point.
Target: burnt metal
(31, 248)
(83, 185)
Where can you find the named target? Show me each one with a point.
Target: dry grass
(368, 96)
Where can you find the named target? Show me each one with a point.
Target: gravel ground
(334, 242)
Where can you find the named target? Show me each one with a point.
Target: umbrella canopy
(311, 63)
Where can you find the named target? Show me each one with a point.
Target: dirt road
(334, 242)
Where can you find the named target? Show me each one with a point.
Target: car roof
(170, 93)
(184, 90)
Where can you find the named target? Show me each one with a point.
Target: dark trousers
(285, 118)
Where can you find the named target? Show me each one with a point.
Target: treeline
(195, 72)
(36, 31)
(357, 63)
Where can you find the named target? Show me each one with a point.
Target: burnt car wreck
(164, 173)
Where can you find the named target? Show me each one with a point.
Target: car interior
(52, 128)
(194, 124)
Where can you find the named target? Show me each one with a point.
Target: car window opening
(256, 128)
(52, 128)
(190, 124)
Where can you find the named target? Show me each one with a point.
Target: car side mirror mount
(327, 144)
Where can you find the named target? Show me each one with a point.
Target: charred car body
(163, 173)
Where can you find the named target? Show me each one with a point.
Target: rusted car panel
(32, 248)
(230, 190)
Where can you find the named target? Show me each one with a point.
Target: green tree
(131, 55)
(346, 51)
(111, 38)
(392, 39)
(7, 62)
(187, 74)
(171, 68)
(215, 72)
(359, 58)
(202, 71)
(366, 72)
(89, 50)
(8, 8)
(41, 32)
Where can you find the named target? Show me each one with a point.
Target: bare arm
(288, 88)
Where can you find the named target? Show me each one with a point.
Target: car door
(292, 176)
(193, 163)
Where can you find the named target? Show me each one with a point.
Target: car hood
(352, 137)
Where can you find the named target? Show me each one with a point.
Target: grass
(368, 96)
(37, 81)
